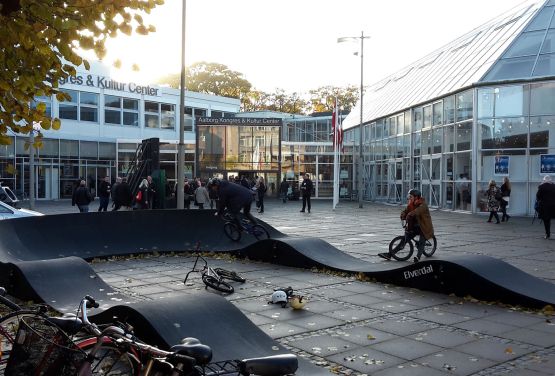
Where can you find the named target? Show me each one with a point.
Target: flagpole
(335, 155)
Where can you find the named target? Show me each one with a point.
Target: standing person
(546, 203)
(201, 195)
(283, 189)
(306, 191)
(152, 203)
(213, 196)
(141, 199)
(261, 191)
(123, 195)
(113, 193)
(494, 195)
(464, 191)
(505, 197)
(82, 197)
(188, 192)
(104, 194)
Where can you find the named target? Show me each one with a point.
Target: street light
(180, 196)
(360, 159)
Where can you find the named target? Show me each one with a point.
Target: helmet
(279, 297)
(297, 301)
(415, 193)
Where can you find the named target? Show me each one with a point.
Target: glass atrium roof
(508, 47)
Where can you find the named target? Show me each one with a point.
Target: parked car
(7, 212)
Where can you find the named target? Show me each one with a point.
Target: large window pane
(464, 105)
(427, 111)
(463, 136)
(112, 117)
(89, 149)
(512, 68)
(112, 101)
(540, 129)
(68, 111)
(438, 113)
(130, 104)
(501, 101)
(151, 106)
(449, 109)
(89, 98)
(449, 138)
(151, 121)
(541, 102)
(503, 133)
(89, 114)
(526, 44)
(545, 66)
(130, 118)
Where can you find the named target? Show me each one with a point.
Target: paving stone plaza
(355, 327)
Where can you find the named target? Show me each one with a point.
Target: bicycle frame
(206, 270)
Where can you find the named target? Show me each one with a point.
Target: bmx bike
(214, 277)
(233, 232)
(401, 247)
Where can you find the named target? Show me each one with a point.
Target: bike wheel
(9, 324)
(400, 249)
(232, 231)
(217, 285)
(430, 247)
(111, 361)
(228, 274)
(260, 232)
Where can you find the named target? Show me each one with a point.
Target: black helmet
(415, 193)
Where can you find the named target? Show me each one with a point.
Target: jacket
(81, 196)
(201, 195)
(546, 200)
(104, 189)
(123, 195)
(233, 197)
(306, 188)
(423, 218)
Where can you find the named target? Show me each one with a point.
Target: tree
(211, 78)
(39, 42)
(323, 98)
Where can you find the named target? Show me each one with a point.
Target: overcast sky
(292, 44)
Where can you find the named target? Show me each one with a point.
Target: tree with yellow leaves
(39, 46)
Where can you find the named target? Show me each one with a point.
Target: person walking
(122, 196)
(201, 195)
(283, 189)
(546, 203)
(261, 191)
(505, 197)
(152, 202)
(188, 194)
(82, 197)
(104, 191)
(306, 191)
(141, 199)
(493, 196)
(113, 192)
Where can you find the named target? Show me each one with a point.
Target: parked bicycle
(214, 277)
(234, 232)
(401, 247)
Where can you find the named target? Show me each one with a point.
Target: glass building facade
(480, 108)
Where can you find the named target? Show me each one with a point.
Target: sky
(292, 44)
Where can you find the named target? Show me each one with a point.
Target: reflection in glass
(464, 105)
(503, 133)
(540, 127)
(449, 109)
(463, 136)
(541, 99)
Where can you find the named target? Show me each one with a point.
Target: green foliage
(37, 37)
(323, 98)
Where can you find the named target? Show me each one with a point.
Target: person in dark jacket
(113, 192)
(233, 197)
(82, 197)
(505, 197)
(152, 202)
(104, 190)
(122, 195)
(306, 191)
(546, 203)
(261, 191)
(283, 189)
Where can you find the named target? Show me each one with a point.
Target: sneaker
(385, 255)
(302, 211)
(416, 259)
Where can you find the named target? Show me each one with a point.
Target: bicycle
(190, 358)
(214, 277)
(234, 233)
(398, 246)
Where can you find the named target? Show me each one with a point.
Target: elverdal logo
(418, 272)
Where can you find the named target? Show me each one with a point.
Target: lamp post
(180, 196)
(360, 158)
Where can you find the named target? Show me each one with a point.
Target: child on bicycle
(233, 197)
(419, 222)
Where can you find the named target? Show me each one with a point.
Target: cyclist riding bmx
(419, 222)
(233, 197)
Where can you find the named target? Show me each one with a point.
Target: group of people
(119, 192)
(286, 192)
(498, 199)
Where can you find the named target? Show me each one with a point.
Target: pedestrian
(113, 192)
(464, 191)
(505, 197)
(201, 195)
(151, 192)
(261, 191)
(141, 199)
(188, 192)
(306, 191)
(493, 196)
(213, 196)
(104, 191)
(283, 189)
(546, 203)
(123, 197)
(82, 197)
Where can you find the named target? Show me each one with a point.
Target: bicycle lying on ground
(234, 232)
(402, 247)
(214, 277)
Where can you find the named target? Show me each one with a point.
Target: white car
(7, 212)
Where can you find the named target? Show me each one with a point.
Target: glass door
(431, 179)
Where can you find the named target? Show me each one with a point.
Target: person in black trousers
(505, 196)
(306, 191)
(546, 203)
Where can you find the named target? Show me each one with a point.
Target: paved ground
(362, 328)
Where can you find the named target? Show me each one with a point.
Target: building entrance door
(431, 180)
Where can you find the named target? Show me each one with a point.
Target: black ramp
(61, 283)
(208, 317)
(482, 277)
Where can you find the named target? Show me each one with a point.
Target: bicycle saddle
(70, 325)
(192, 347)
(283, 364)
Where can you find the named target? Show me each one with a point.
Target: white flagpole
(335, 157)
